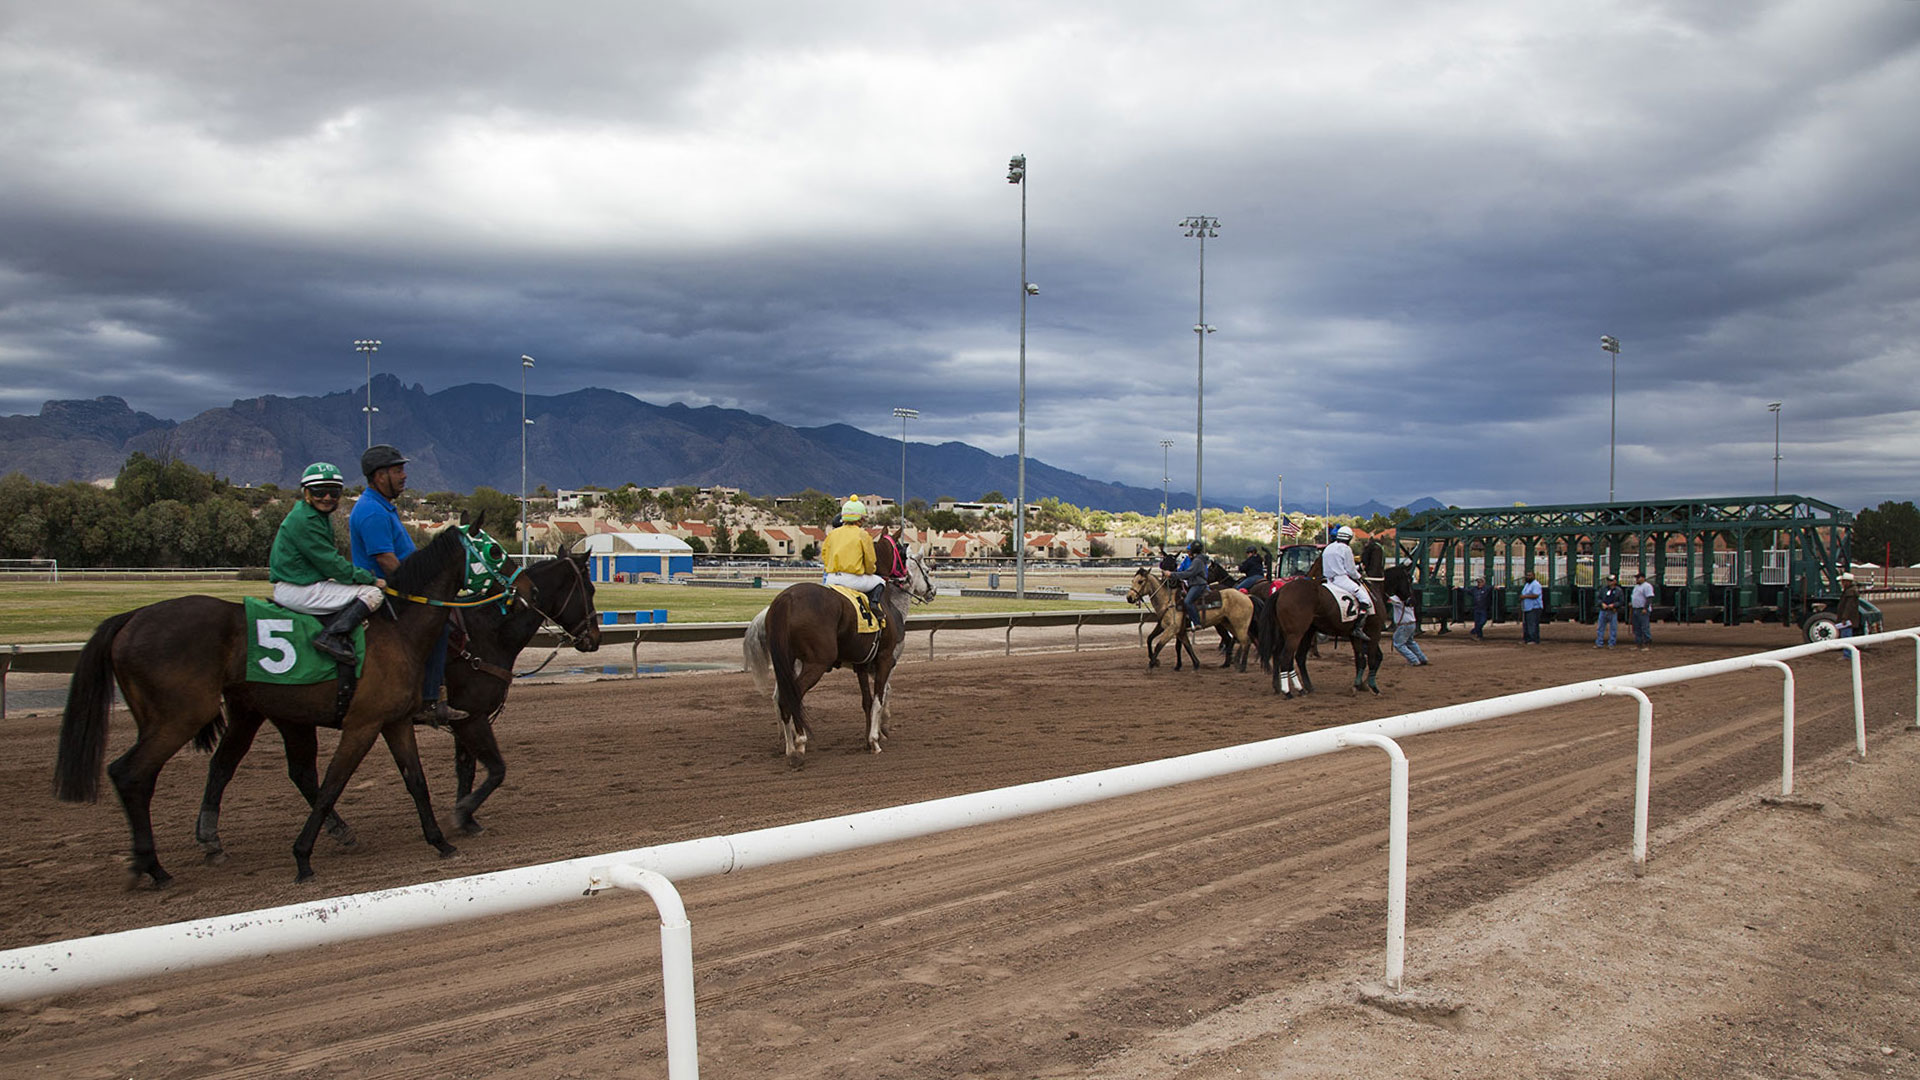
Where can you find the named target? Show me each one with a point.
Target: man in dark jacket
(1612, 599)
(1253, 568)
(1482, 598)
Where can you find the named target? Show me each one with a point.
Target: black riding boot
(1360, 629)
(336, 638)
(874, 597)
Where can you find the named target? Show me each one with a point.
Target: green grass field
(32, 612)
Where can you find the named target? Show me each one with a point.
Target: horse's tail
(753, 652)
(83, 730)
(786, 690)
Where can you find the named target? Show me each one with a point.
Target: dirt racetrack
(1214, 930)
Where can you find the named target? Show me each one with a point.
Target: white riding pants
(325, 597)
(864, 583)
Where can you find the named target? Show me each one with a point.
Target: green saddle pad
(280, 646)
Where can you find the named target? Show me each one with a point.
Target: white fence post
(676, 965)
(1642, 772)
(1396, 852)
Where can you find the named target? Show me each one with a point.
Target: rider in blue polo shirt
(378, 542)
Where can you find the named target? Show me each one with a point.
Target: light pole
(1279, 510)
(904, 415)
(367, 347)
(1774, 408)
(1612, 346)
(1202, 227)
(526, 362)
(1017, 174)
(1166, 479)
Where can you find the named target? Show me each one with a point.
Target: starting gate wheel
(1821, 626)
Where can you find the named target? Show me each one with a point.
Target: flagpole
(1279, 509)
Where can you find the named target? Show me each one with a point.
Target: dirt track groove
(1039, 947)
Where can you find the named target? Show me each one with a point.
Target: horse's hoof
(216, 857)
(302, 876)
(446, 850)
(343, 835)
(471, 827)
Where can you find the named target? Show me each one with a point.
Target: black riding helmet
(379, 457)
(1196, 547)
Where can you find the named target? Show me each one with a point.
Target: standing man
(1642, 611)
(307, 571)
(379, 541)
(1607, 630)
(1532, 603)
(1406, 623)
(1849, 609)
(1482, 598)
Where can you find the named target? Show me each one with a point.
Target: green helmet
(853, 509)
(322, 472)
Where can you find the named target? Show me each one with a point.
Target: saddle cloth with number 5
(280, 646)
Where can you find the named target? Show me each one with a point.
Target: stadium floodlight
(367, 347)
(904, 415)
(1612, 345)
(1202, 227)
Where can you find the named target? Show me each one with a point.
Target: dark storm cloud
(1430, 217)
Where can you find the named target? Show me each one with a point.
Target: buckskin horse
(812, 629)
(556, 590)
(1303, 606)
(178, 661)
(1235, 614)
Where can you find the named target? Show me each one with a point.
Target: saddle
(1348, 607)
(280, 646)
(868, 618)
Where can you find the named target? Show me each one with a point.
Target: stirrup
(338, 647)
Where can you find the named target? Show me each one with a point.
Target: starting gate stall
(1727, 560)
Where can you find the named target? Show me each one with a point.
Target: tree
(1891, 523)
(750, 542)
(698, 545)
(722, 539)
(498, 506)
(993, 497)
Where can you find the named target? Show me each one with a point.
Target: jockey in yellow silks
(847, 554)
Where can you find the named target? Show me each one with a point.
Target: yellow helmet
(852, 509)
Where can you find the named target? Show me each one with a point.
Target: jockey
(1193, 574)
(848, 556)
(1337, 568)
(308, 572)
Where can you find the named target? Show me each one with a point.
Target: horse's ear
(474, 526)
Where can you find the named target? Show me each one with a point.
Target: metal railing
(65, 966)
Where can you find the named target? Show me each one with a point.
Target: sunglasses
(325, 492)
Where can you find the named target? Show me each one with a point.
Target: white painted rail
(81, 963)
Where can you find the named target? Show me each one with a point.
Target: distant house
(632, 556)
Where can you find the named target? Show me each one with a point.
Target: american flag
(1288, 529)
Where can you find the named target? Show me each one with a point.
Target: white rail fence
(66, 966)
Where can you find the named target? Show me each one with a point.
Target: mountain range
(467, 436)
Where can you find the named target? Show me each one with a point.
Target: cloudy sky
(1430, 213)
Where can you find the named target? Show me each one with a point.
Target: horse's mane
(429, 562)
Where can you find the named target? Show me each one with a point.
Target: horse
(810, 629)
(1303, 606)
(179, 660)
(1235, 613)
(555, 590)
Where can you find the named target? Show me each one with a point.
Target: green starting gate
(1733, 560)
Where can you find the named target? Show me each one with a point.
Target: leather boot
(874, 597)
(336, 638)
(1360, 629)
(437, 713)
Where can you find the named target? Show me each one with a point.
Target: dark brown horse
(1303, 606)
(812, 629)
(177, 662)
(555, 590)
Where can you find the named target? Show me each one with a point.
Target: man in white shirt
(1640, 606)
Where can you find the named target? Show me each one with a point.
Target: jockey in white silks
(1343, 577)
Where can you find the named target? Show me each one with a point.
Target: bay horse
(1303, 606)
(810, 629)
(1235, 615)
(178, 661)
(556, 590)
